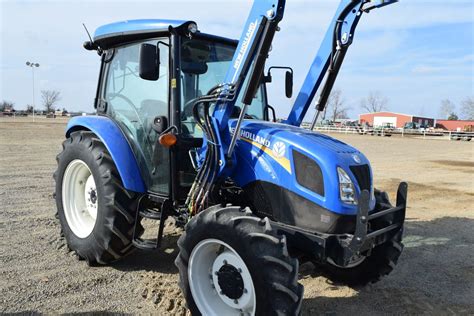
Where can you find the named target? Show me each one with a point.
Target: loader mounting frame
(371, 230)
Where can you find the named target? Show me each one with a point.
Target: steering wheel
(188, 109)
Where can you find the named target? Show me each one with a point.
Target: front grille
(308, 173)
(362, 175)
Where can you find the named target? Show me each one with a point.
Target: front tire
(95, 212)
(233, 263)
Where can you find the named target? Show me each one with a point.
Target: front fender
(117, 145)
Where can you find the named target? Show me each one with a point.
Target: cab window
(133, 103)
(204, 64)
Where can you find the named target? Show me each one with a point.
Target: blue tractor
(184, 131)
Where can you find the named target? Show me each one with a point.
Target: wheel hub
(230, 281)
(93, 196)
(90, 193)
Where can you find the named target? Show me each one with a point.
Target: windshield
(204, 64)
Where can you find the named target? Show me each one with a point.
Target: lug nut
(236, 301)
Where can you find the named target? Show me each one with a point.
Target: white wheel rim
(205, 268)
(80, 200)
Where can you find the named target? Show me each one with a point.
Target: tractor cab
(152, 71)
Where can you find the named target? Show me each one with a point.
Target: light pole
(33, 65)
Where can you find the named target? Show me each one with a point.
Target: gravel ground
(435, 274)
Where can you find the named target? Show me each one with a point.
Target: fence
(451, 135)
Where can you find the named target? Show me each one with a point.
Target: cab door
(133, 103)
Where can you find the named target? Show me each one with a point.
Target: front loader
(183, 130)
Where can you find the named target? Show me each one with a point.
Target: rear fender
(117, 145)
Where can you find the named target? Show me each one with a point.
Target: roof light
(192, 28)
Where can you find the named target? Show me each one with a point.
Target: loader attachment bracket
(372, 229)
(376, 228)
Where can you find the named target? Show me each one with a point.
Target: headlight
(346, 187)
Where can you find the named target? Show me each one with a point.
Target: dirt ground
(435, 274)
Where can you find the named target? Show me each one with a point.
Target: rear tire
(108, 237)
(380, 263)
(273, 273)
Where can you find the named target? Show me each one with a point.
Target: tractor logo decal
(279, 149)
(245, 45)
(255, 138)
(356, 158)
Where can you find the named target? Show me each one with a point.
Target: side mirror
(289, 84)
(288, 79)
(149, 63)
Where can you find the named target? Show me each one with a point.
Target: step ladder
(161, 211)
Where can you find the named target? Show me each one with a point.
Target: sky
(415, 52)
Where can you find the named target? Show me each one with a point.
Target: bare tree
(4, 105)
(447, 107)
(453, 117)
(50, 98)
(374, 102)
(29, 108)
(467, 108)
(335, 106)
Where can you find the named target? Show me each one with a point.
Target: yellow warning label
(173, 83)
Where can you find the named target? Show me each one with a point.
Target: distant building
(8, 109)
(395, 119)
(453, 125)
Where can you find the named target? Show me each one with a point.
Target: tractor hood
(300, 161)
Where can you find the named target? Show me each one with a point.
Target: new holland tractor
(184, 130)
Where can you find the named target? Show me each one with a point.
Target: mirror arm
(271, 108)
(163, 43)
(279, 67)
(268, 78)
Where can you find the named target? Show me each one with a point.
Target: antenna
(89, 34)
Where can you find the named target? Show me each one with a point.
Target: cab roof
(114, 33)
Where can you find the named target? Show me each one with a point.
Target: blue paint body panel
(117, 145)
(259, 163)
(135, 26)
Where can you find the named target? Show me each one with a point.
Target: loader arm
(216, 156)
(330, 57)
(248, 61)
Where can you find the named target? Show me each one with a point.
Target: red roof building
(453, 125)
(394, 119)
